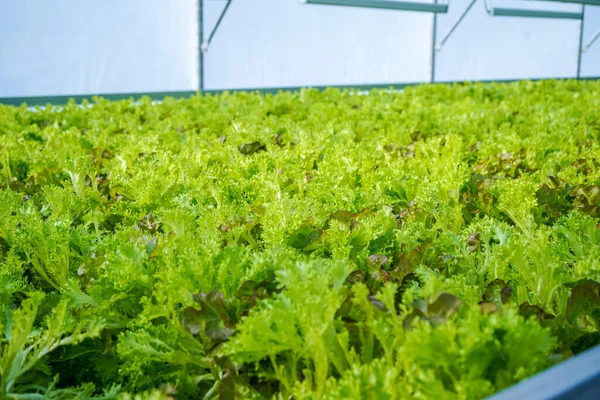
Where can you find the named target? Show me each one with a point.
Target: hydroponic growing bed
(441, 242)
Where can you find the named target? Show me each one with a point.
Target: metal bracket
(205, 44)
(462, 16)
(385, 4)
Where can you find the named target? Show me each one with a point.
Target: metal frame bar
(519, 12)
(591, 42)
(588, 2)
(385, 4)
(575, 378)
(580, 41)
(200, 41)
(462, 16)
(57, 100)
(205, 45)
(433, 53)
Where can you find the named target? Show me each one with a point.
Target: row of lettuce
(441, 242)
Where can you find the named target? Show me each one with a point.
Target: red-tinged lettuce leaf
(488, 307)
(355, 277)
(344, 217)
(147, 224)
(405, 263)
(380, 276)
(227, 387)
(251, 292)
(443, 308)
(585, 166)
(476, 197)
(474, 241)
(554, 199)
(510, 165)
(436, 313)
(192, 320)
(528, 310)
(497, 292)
(583, 306)
(213, 307)
(251, 148)
(213, 319)
(251, 232)
(347, 218)
(419, 312)
(587, 199)
(401, 214)
(218, 333)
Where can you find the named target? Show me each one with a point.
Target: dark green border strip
(58, 100)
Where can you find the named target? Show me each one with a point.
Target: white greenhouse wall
(485, 47)
(267, 43)
(59, 47)
(69, 47)
(590, 60)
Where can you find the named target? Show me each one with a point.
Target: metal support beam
(462, 16)
(580, 41)
(591, 42)
(588, 2)
(433, 39)
(519, 12)
(516, 12)
(200, 42)
(385, 4)
(205, 45)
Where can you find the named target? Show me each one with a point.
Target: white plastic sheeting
(68, 47)
(492, 47)
(59, 47)
(270, 43)
(590, 60)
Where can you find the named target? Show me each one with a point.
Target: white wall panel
(266, 43)
(55, 47)
(64, 47)
(485, 47)
(590, 60)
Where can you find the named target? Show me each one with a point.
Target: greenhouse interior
(300, 199)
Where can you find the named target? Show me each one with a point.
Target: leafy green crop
(439, 242)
